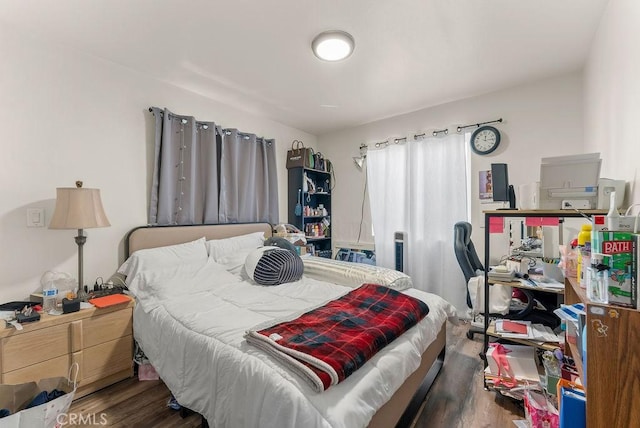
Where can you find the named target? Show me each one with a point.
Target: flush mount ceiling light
(333, 45)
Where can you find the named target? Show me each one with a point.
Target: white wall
(66, 116)
(540, 119)
(612, 94)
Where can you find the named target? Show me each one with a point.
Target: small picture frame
(485, 190)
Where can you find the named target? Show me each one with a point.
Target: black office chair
(471, 266)
(468, 260)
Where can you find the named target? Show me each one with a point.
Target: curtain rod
(435, 133)
(218, 129)
(460, 128)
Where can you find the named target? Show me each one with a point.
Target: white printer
(570, 182)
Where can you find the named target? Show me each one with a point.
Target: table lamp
(78, 208)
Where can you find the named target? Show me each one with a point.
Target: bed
(196, 346)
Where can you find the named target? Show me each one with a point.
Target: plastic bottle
(597, 291)
(49, 295)
(613, 216)
(584, 249)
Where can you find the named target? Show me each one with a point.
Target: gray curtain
(248, 179)
(184, 189)
(204, 175)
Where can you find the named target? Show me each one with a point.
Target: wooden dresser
(99, 340)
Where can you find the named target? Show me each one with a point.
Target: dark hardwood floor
(456, 399)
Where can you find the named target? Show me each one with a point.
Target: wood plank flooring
(456, 399)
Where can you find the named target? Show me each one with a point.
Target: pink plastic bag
(539, 411)
(147, 372)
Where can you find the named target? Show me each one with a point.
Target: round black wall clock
(485, 140)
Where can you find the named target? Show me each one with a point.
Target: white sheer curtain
(420, 188)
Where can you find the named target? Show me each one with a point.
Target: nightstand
(99, 340)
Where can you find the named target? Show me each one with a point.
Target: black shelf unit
(309, 222)
(510, 213)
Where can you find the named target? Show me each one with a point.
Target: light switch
(35, 217)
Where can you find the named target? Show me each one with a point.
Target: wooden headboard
(159, 236)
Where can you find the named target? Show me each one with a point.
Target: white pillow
(234, 262)
(354, 274)
(152, 287)
(194, 252)
(219, 248)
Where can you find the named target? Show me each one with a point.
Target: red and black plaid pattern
(348, 331)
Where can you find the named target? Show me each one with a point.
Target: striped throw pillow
(354, 274)
(273, 266)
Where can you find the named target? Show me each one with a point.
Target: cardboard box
(614, 251)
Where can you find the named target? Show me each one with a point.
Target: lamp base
(82, 295)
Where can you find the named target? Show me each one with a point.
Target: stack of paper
(514, 329)
(511, 329)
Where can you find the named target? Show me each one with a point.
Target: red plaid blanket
(327, 344)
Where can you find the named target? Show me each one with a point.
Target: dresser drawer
(104, 328)
(55, 367)
(106, 359)
(34, 347)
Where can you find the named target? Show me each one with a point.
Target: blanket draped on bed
(327, 344)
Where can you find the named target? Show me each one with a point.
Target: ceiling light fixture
(333, 45)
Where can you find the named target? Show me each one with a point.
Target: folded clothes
(45, 397)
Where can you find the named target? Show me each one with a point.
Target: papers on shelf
(511, 329)
(570, 313)
(542, 282)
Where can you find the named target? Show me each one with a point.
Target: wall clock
(485, 140)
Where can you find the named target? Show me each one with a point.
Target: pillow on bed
(273, 266)
(194, 252)
(234, 262)
(153, 287)
(354, 274)
(219, 248)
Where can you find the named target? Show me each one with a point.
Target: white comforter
(190, 323)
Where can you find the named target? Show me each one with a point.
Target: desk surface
(518, 284)
(543, 213)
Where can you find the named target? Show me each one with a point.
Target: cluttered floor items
(543, 378)
(37, 404)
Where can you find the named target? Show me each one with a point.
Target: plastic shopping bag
(539, 411)
(16, 397)
(499, 296)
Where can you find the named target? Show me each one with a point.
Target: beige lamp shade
(78, 208)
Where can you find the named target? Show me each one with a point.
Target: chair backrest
(466, 253)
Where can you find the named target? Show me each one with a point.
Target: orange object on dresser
(113, 299)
